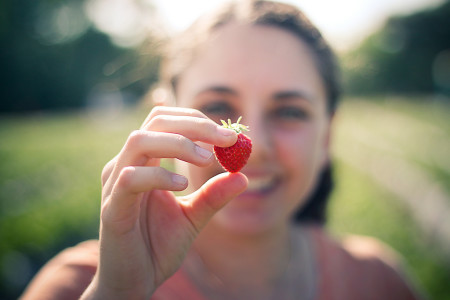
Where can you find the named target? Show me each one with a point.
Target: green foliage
(52, 58)
(402, 57)
(50, 186)
(414, 132)
(361, 207)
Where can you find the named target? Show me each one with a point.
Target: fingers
(135, 180)
(212, 196)
(107, 170)
(166, 133)
(171, 133)
(194, 128)
(144, 145)
(174, 111)
(123, 205)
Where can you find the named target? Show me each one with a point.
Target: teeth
(256, 184)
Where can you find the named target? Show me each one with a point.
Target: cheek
(296, 149)
(301, 154)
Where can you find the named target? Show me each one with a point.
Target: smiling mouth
(261, 185)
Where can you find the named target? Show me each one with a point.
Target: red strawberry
(235, 157)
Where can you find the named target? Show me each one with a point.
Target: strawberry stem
(235, 126)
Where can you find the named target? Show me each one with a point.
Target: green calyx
(235, 126)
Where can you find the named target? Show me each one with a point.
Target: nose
(260, 134)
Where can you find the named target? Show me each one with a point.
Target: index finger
(193, 128)
(172, 111)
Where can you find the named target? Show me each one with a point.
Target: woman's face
(268, 76)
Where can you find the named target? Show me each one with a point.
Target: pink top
(357, 268)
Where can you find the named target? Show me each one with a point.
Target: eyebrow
(286, 95)
(219, 89)
(278, 96)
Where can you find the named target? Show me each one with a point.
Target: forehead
(252, 57)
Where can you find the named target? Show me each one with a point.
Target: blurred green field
(50, 167)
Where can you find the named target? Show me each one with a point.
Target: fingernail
(225, 131)
(179, 179)
(203, 152)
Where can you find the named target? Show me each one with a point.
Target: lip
(260, 185)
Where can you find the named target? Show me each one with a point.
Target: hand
(145, 230)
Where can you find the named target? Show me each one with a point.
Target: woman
(251, 235)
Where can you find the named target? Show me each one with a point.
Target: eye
(290, 113)
(218, 110)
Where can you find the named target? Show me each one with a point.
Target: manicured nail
(225, 131)
(203, 152)
(179, 179)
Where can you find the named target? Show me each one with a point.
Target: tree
(52, 57)
(406, 56)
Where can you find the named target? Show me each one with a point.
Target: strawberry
(235, 157)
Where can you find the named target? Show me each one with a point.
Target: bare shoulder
(66, 275)
(366, 247)
(361, 265)
(359, 247)
(388, 263)
(83, 253)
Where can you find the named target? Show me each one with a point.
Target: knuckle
(103, 210)
(208, 125)
(201, 121)
(136, 138)
(125, 177)
(107, 170)
(156, 122)
(197, 114)
(183, 143)
(159, 174)
(157, 110)
(180, 141)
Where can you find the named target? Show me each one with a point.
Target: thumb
(201, 205)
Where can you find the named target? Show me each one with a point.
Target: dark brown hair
(287, 17)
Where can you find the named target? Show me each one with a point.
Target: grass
(416, 133)
(50, 187)
(358, 206)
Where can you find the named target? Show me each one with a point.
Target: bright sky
(343, 22)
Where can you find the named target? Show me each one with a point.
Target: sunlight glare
(127, 22)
